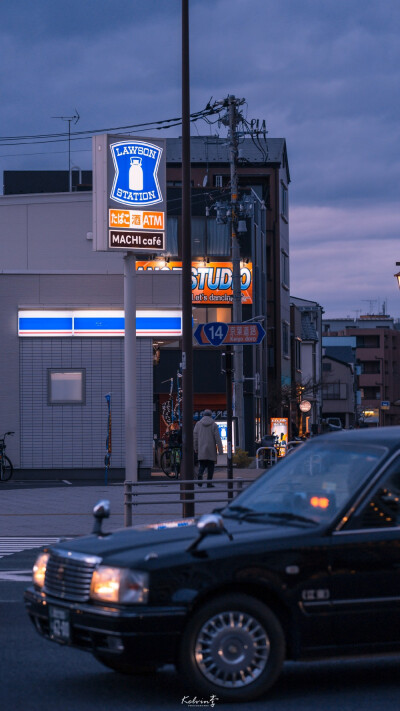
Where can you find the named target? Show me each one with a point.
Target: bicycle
(6, 467)
(171, 461)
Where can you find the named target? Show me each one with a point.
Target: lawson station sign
(129, 193)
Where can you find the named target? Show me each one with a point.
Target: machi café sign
(129, 193)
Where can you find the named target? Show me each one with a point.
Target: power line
(84, 135)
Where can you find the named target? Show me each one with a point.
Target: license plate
(59, 624)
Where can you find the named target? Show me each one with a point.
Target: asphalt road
(37, 675)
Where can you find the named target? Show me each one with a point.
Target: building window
(331, 391)
(367, 341)
(334, 391)
(370, 367)
(370, 393)
(284, 202)
(218, 181)
(285, 269)
(297, 353)
(66, 387)
(285, 339)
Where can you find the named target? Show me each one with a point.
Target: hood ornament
(209, 525)
(100, 511)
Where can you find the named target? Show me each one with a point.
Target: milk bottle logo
(136, 166)
(136, 174)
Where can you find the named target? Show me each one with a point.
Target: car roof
(383, 436)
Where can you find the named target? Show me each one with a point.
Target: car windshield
(310, 486)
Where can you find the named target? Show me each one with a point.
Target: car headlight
(119, 585)
(39, 569)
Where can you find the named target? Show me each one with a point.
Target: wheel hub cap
(232, 649)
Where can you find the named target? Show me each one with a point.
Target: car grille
(69, 575)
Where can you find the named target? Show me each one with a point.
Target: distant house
(310, 359)
(338, 390)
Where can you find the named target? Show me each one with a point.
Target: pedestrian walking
(206, 441)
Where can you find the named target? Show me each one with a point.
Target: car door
(365, 569)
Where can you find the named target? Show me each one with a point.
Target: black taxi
(304, 564)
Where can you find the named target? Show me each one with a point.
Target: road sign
(229, 334)
(385, 405)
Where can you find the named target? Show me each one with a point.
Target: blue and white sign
(136, 165)
(97, 323)
(216, 332)
(129, 192)
(229, 334)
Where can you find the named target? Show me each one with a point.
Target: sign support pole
(130, 367)
(228, 372)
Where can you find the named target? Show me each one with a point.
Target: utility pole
(187, 330)
(233, 118)
(225, 213)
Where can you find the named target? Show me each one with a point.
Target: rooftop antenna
(75, 118)
(371, 303)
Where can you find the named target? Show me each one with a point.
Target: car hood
(136, 546)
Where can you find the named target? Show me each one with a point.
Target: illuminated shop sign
(136, 165)
(129, 193)
(279, 428)
(211, 283)
(223, 432)
(97, 323)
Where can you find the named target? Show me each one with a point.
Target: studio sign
(136, 166)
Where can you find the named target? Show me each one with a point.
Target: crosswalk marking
(15, 544)
(19, 576)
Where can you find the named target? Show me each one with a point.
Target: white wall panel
(73, 436)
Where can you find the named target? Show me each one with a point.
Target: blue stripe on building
(147, 325)
(53, 324)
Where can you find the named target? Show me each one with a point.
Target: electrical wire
(85, 135)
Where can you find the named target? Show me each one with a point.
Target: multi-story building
(377, 350)
(50, 270)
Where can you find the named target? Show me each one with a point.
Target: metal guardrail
(140, 493)
(272, 455)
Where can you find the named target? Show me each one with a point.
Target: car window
(316, 481)
(382, 509)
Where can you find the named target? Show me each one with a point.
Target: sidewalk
(66, 510)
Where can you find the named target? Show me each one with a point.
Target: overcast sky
(324, 74)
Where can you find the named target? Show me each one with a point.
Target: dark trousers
(206, 464)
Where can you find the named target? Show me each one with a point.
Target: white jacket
(206, 439)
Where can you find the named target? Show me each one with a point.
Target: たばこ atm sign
(129, 193)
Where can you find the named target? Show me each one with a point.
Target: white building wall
(47, 262)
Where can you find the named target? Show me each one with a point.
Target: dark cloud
(323, 73)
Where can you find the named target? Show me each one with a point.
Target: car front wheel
(233, 647)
